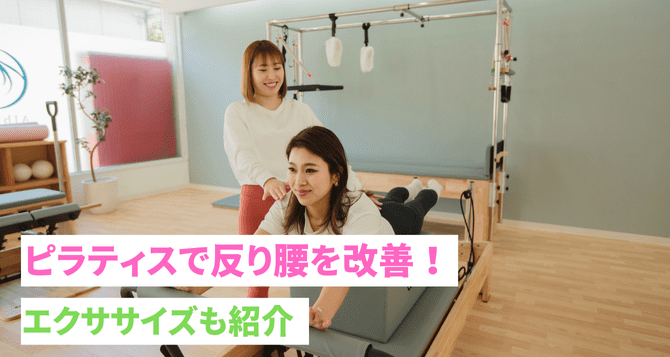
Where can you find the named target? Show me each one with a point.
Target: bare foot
(198, 290)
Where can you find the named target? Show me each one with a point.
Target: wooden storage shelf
(30, 184)
(28, 152)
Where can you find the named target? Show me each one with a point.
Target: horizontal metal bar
(370, 11)
(400, 21)
(290, 28)
(456, 16)
(419, 17)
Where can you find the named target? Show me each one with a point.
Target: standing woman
(256, 132)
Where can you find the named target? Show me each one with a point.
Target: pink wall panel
(138, 94)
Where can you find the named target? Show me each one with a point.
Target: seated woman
(320, 203)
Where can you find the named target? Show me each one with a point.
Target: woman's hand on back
(375, 199)
(275, 188)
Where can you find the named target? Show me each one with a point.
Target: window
(30, 54)
(123, 40)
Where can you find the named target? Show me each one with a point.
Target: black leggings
(407, 218)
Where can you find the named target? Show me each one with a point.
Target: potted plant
(96, 189)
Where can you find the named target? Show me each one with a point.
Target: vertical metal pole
(503, 175)
(300, 97)
(496, 98)
(267, 29)
(66, 60)
(296, 70)
(504, 139)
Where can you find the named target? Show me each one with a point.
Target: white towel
(367, 58)
(334, 51)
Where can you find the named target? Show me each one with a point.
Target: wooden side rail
(447, 336)
(10, 262)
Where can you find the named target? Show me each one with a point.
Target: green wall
(588, 121)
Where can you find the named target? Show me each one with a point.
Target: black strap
(283, 49)
(366, 26)
(333, 18)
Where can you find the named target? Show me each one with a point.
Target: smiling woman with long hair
(320, 203)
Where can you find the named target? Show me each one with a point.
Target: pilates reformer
(434, 322)
(36, 216)
(489, 182)
(430, 327)
(380, 321)
(28, 219)
(485, 184)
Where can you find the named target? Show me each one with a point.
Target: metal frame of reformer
(487, 194)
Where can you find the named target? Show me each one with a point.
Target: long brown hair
(324, 144)
(263, 50)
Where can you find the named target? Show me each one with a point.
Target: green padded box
(369, 312)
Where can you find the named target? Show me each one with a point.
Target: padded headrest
(334, 51)
(367, 58)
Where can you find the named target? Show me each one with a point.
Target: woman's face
(310, 179)
(267, 76)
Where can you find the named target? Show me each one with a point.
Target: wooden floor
(551, 294)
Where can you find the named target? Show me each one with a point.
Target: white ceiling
(176, 6)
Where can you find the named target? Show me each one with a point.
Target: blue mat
(228, 202)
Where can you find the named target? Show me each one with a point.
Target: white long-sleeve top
(363, 218)
(255, 140)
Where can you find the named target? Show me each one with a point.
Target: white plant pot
(104, 191)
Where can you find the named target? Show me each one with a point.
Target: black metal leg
(171, 351)
(164, 351)
(268, 349)
(51, 229)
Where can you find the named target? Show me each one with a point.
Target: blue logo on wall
(14, 81)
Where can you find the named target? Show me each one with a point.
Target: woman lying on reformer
(321, 204)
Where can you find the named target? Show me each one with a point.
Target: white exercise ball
(22, 172)
(42, 169)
